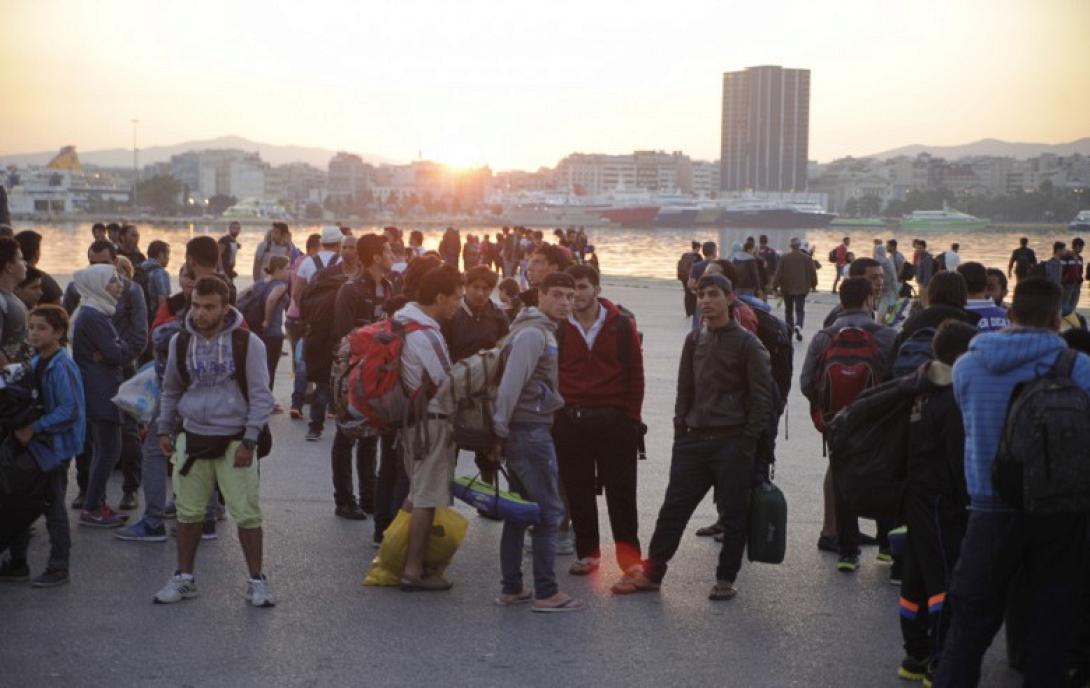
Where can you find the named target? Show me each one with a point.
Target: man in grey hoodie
(522, 419)
(222, 411)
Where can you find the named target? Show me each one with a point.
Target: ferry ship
(256, 209)
(62, 187)
(1081, 223)
(947, 218)
(774, 214)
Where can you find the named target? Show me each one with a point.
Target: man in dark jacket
(716, 430)
(946, 295)
(479, 323)
(598, 430)
(795, 277)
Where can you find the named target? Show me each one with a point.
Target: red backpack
(848, 366)
(376, 394)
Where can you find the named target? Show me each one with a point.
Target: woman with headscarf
(890, 286)
(99, 354)
(748, 269)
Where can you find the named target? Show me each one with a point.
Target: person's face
(41, 334)
(995, 290)
(847, 241)
(876, 278)
(17, 267)
(114, 287)
(100, 258)
(186, 282)
(1076, 249)
(714, 304)
(385, 259)
(477, 294)
(98, 234)
(447, 305)
(891, 249)
(348, 253)
(164, 258)
(30, 294)
(130, 239)
(557, 302)
(586, 295)
(234, 228)
(538, 268)
(207, 311)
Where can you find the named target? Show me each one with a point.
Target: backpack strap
(317, 260)
(240, 349)
(181, 349)
(1065, 364)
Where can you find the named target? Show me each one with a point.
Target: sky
(521, 84)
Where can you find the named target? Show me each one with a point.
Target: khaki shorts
(240, 487)
(430, 457)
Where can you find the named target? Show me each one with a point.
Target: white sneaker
(565, 544)
(176, 590)
(257, 592)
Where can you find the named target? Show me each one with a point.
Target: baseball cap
(331, 234)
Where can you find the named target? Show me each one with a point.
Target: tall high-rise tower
(766, 129)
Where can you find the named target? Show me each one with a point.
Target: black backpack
(685, 265)
(252, 306)
(240, 348)
(775, 336)
(914, 352)
(142, 276)
(1043, 463)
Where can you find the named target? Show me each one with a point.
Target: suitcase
(767, 540)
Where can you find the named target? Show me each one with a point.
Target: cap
(331, 234)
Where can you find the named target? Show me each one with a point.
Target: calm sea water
(621, 251)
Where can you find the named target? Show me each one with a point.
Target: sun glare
(459, 154)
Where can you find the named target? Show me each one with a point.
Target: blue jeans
(531, 463)
(105, 451)
(299, 376)
(1050, 552)
(155, 477)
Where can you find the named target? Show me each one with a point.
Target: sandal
(515, 600)
(568, 605)
(722, 590)
(634, 582)
(426, 584)
(582, 567)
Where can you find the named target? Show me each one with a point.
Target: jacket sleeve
(777, 277)
(954, 450)
(172, 390)
(759, 377)
(811, 273)
(71, 298)
(259, 254)
(257, 379)
(344, 312)
(634, 400)
(136, 331)
(103, 339)
(886, 338)
(808, 377)
(685, 386)
(66, 409)
(524, 351)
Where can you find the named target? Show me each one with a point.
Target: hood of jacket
(533, 317)
(412, 312)
(210, 360)
(737, 254)
(1001, 353)
(934, 315)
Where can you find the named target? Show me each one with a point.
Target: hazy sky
(520, 84)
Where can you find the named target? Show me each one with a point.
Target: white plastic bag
(137, 395)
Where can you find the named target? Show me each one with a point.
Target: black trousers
(847, 527)
(935, 532)
(597, 448)
(341, 460)
(392, 486)
(690, 298)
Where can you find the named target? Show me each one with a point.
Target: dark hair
(510, 286)
(695, 245)
(1077, 242)
(952, 340)
(415, 273)
(891, 242)
(32, 274)
(1023, 241)
(763, 239)
(955, 246)
(313, 241)
(998, 274)
(1036, 303)
(30, 243)
(947, 288)
(9, 248)
(204, 251)
(368, 247)
(113, 227)
(586, 272)
(553, 256)
(53, 314)
(922, 242)
(976, 276)
(233, 223)
(6, 230)
(720, 282)
(104, 245)
(417, 236)
(157, 248)
(556, 279)
(1058, 246)
(481, 273)
(98, 227)
(708, 249)
(729, 271)
(125, 230)
(859, 266)
(854, 292)
(444, 279)
(211, 286)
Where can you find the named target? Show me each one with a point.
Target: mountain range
(121, 157)
(990, 147)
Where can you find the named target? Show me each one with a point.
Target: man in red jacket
(597, 431)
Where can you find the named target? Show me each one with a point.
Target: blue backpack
(914, 352)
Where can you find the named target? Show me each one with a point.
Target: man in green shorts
(217, 384)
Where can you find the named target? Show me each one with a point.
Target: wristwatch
(249, 444)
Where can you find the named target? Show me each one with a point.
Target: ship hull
(674, 218)
(634, 216)
(777, 218)
(944, 226)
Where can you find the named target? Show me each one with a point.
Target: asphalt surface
(797, 624)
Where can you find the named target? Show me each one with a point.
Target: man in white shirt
(951, 259)
(327, 255)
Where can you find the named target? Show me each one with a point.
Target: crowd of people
(565, 414)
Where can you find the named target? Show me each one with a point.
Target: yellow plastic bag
(447, 533)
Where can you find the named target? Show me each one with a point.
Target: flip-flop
(569, 605)
(515, 600)
(422, 585)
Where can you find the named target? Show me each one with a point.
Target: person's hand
(244, 456)
(24, 434)
(166, 445)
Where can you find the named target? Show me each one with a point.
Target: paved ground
(797, 624)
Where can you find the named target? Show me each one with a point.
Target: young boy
(935, 503)
(58, 435)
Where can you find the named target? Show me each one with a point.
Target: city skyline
(481, 85)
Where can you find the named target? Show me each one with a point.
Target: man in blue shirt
(992, 317)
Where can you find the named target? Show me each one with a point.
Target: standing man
(925, 267)
(598, 430)
(216, 385)
(545, 260)
(31, 244)
(229, 250)
(129, 245)
(526, 400)
(359, 303)
(840, 258)
(951, 259)
(724, 405)
(158, 280)
(1072, 276)
(428, 442)
(684, 266)
(992, 317)
(896, 256)
(320, 280)
(771, 260)
(795, 277)
(14, 347)
(1022, 259)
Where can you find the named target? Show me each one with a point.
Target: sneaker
(314, 435)
(128, 502)
(178, 588)
(142, 532)
(208, 531)
(50, 578)
(351, 511)
(848, 563)
(798, 333)
(828, 543)
(564, 544)
(929, 678)
(12, 572)
(102, 517)
(708, 531)
(722, 591)
(584, 566)
(257, 592)
(867, 540)
(884, 555)
(80, 500)
(895, 571)
(912, 669)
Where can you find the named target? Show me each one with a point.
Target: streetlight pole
(135, 174)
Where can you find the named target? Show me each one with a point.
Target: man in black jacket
(479, 323)
(716, 430)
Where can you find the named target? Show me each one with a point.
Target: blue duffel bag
(491, 500)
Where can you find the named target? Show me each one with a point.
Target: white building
(220, 172)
